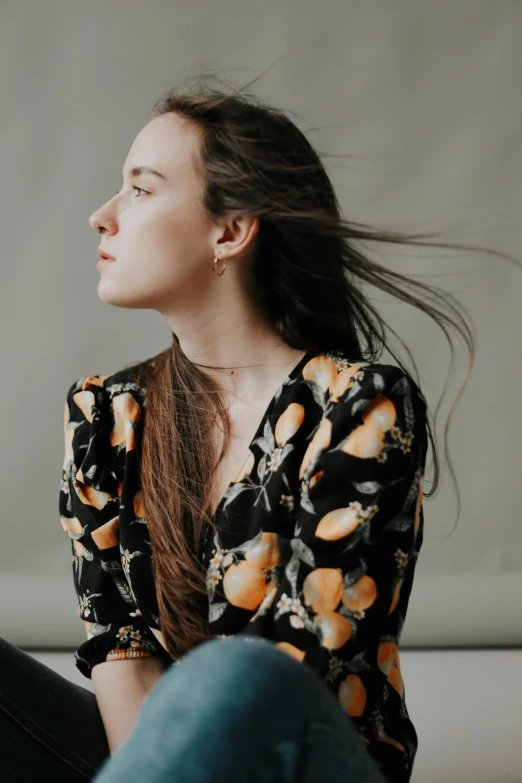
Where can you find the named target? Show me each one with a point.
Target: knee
(4, 651)
(8, 650)
(241, 657)
(243, 682)
(209, 675)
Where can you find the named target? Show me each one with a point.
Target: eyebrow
(137, 170)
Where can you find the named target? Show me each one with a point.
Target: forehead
(168, 144)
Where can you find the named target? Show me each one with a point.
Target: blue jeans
(233, 710)
(241, 711)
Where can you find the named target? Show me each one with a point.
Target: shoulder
(106, 408)
(98, 391)
(102, 415)
(392, 381)
(361, 397)
(343, 378)
(371, 436)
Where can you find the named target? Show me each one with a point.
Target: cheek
(171, 231)
(166, 244)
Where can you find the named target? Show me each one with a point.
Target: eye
(137, 188)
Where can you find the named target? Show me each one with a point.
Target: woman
(245, 508)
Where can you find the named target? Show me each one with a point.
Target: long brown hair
(254, 160)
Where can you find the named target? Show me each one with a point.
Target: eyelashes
(144, 192)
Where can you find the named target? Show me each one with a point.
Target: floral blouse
(318, 534)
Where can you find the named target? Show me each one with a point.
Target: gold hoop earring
(214, 268)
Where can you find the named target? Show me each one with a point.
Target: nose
(94, 221)
(103, 217)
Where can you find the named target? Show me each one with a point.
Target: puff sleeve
(347, 572)
(89, 507)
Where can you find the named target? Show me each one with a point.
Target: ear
(236, 235)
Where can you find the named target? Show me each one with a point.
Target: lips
(105, 255)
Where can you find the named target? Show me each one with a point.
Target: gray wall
(424, 100)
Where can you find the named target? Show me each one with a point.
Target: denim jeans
(235, 710)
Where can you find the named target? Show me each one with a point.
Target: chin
(119, 298)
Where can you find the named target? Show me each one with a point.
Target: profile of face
(156, 228)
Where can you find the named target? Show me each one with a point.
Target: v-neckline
(292, 374)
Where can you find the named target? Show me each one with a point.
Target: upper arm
(89, 514)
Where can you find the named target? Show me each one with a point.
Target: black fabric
(317, 536)
(50, 728)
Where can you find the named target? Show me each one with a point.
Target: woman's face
(156, 227)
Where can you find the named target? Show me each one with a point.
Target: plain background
(422, 100)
